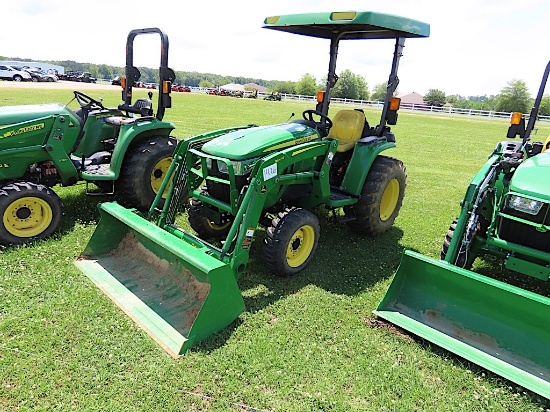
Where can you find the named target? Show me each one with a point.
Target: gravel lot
(61, 84)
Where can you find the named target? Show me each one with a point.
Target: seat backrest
(347, 127)
(145, 106)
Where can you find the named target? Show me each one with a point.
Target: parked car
(86, 78)
(34, 76)
(40, 75)
(11, 73)
(47, 77)
(116, 81)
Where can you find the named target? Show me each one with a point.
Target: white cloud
(475, 47)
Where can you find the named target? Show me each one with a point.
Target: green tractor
(45, 145)
(178, 285)
(505, 213)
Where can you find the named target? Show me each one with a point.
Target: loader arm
(469, 205)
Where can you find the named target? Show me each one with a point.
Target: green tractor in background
(49, 144)
(181, 288)
(505, 213)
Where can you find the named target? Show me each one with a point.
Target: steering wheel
(308, 115)
(87, 102)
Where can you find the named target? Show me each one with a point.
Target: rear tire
(28, 211)
(143, 170)
(291, 241)
(17, 78)
(381, 197)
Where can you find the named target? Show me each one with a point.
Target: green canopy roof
(348, 24)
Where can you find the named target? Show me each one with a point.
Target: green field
(307, 343)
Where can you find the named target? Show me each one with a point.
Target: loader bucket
(498, 326)
(174, 290)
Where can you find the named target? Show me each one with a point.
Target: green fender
(360, 164)
(129, 134)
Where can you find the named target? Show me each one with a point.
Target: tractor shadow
(82, 208)
(345, 263)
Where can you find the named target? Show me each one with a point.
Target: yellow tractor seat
(347, 127)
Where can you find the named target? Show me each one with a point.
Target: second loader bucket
(174, 290)
(500, 327)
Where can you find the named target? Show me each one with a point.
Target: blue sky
(476, 46)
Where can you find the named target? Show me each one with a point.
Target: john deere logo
(25, 129)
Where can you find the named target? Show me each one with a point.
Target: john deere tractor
(126, 149)
(180, 287)
(505, 213)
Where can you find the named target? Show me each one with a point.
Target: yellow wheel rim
(214, 226)
(300, 246)
(389, 199)
(158, 173)
(27, 217)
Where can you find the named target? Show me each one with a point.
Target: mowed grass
(303, 344)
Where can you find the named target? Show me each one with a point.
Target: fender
(363, 156)
(129, 133)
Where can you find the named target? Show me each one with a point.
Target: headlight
(239, 168)
(525, 205)
(222, 167)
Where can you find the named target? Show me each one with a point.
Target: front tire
(143, 170)
(28, 211)
(291, 241)
(17, 78)
(206, 228)
(466, 255)
(381, 197)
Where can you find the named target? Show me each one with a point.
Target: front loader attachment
(172, 288)
(500, 327)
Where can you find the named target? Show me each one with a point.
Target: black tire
(143, 170)
(291, 241)
(461, 260)
(206, 228)
(381, 197)
(465, 258)
(28, 211)
(17, 78)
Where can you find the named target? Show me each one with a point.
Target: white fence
(420, 108)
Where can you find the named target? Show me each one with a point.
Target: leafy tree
(452, 100)
(379, 92)
(513, 98)
(104, 71)
(350, 86)
(306, 86)
(435, 97)
(205, 83)
(286, 87)
(545, 106)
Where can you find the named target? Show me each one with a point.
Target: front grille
(221, 191)
(525, 235)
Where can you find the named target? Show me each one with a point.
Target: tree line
(514, 97)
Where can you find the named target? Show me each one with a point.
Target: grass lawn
(306, 343)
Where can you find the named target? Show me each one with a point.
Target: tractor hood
(259, 141)
(532, 177)
(29, 125)
(10, 115)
